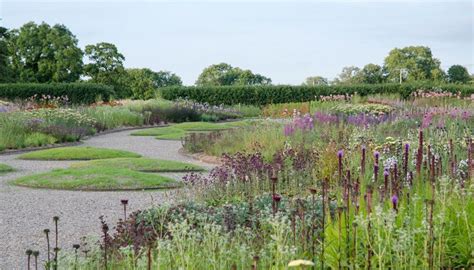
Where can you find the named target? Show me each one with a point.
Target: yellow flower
(296, 263)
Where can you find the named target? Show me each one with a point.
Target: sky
(284, 40)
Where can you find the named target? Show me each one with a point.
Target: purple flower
(340, 153)
(395, 202)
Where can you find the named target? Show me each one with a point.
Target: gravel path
(25, 212)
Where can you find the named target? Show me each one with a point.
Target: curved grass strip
(5, 168)
(77, 153)
(140, 164)
(97, 179)
(176, 132)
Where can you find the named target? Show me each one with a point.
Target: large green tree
(5, 68)
(165, 78)
(106, 66)
(44, 53)
(458, 74)
(371, 73)
(144, 83)
(348, 75)
(414, 63)
(225, 74)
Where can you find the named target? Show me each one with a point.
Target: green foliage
(225, 74)
(458, 74)
(44, 53)
(106, 67)
(77, 153)
(5, 168)
(166, 78)
(417, 61)
(268, 94)
(178, 131)
(96, 178)
(5, 68)
(77, 93)
(371, 73)
(140, 164)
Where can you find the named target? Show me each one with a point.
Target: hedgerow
(77, 93)
(268, 94)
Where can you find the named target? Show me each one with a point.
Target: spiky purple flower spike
(362, 162)
(376, 172)
(376, 156)
(395, 202)
(340, 154)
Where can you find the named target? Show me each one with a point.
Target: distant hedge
(77, 93)
(262, 95)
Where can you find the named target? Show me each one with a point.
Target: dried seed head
(56, 218)
(124, 202)
(46, 231)
(76, 246)
(36, 253)
(312, 190)
(29, 252)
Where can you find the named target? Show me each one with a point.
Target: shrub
(76, 93)
(268, 94)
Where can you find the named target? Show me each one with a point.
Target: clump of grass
(178, 131)
(77, 153)
(96, 178)
(140, 164)
(5, 168)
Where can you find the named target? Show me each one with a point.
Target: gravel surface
(26, 212)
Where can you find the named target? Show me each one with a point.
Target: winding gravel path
(25, 212)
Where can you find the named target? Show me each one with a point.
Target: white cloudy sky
(285, 40)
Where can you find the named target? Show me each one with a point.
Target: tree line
(408, 64)
(41, 53)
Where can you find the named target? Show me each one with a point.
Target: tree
(417, 61)
(141, 84)
(316, 80)
(5, 68)
(106, 66)
(41, 53)
(371, 73)
(349, 75)
(458, 74)
(225, 74)
(165, 78)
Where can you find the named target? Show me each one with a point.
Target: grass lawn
(77, 153)
(176, 132)
(5, 168)
(97, 178)
(140, 164)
